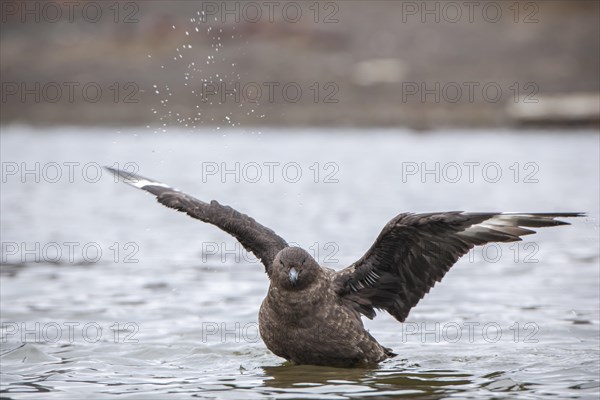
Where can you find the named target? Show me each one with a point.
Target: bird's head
(294, 269)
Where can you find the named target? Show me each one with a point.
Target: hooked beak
(293, 276)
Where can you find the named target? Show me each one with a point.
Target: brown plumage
(312, 315)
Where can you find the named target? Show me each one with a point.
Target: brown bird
(312, 315)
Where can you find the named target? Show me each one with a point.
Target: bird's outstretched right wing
(256, 238)
(414, 251)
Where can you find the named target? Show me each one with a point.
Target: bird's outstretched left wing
(256, 238)
(414, 251)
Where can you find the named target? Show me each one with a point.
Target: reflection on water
(402, 382)
(180, 319)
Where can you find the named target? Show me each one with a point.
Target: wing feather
(256, 238)
(414, 251)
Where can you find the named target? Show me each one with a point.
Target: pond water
(105, 292)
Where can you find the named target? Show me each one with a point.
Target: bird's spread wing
(260, 240)
(414, 251)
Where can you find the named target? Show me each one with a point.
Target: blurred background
(419, 64)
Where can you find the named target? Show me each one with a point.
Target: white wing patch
(141, 182)
(512, 224)
(136, 180)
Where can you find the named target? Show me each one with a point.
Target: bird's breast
(299, 308)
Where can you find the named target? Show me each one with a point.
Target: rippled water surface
(169, 308)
